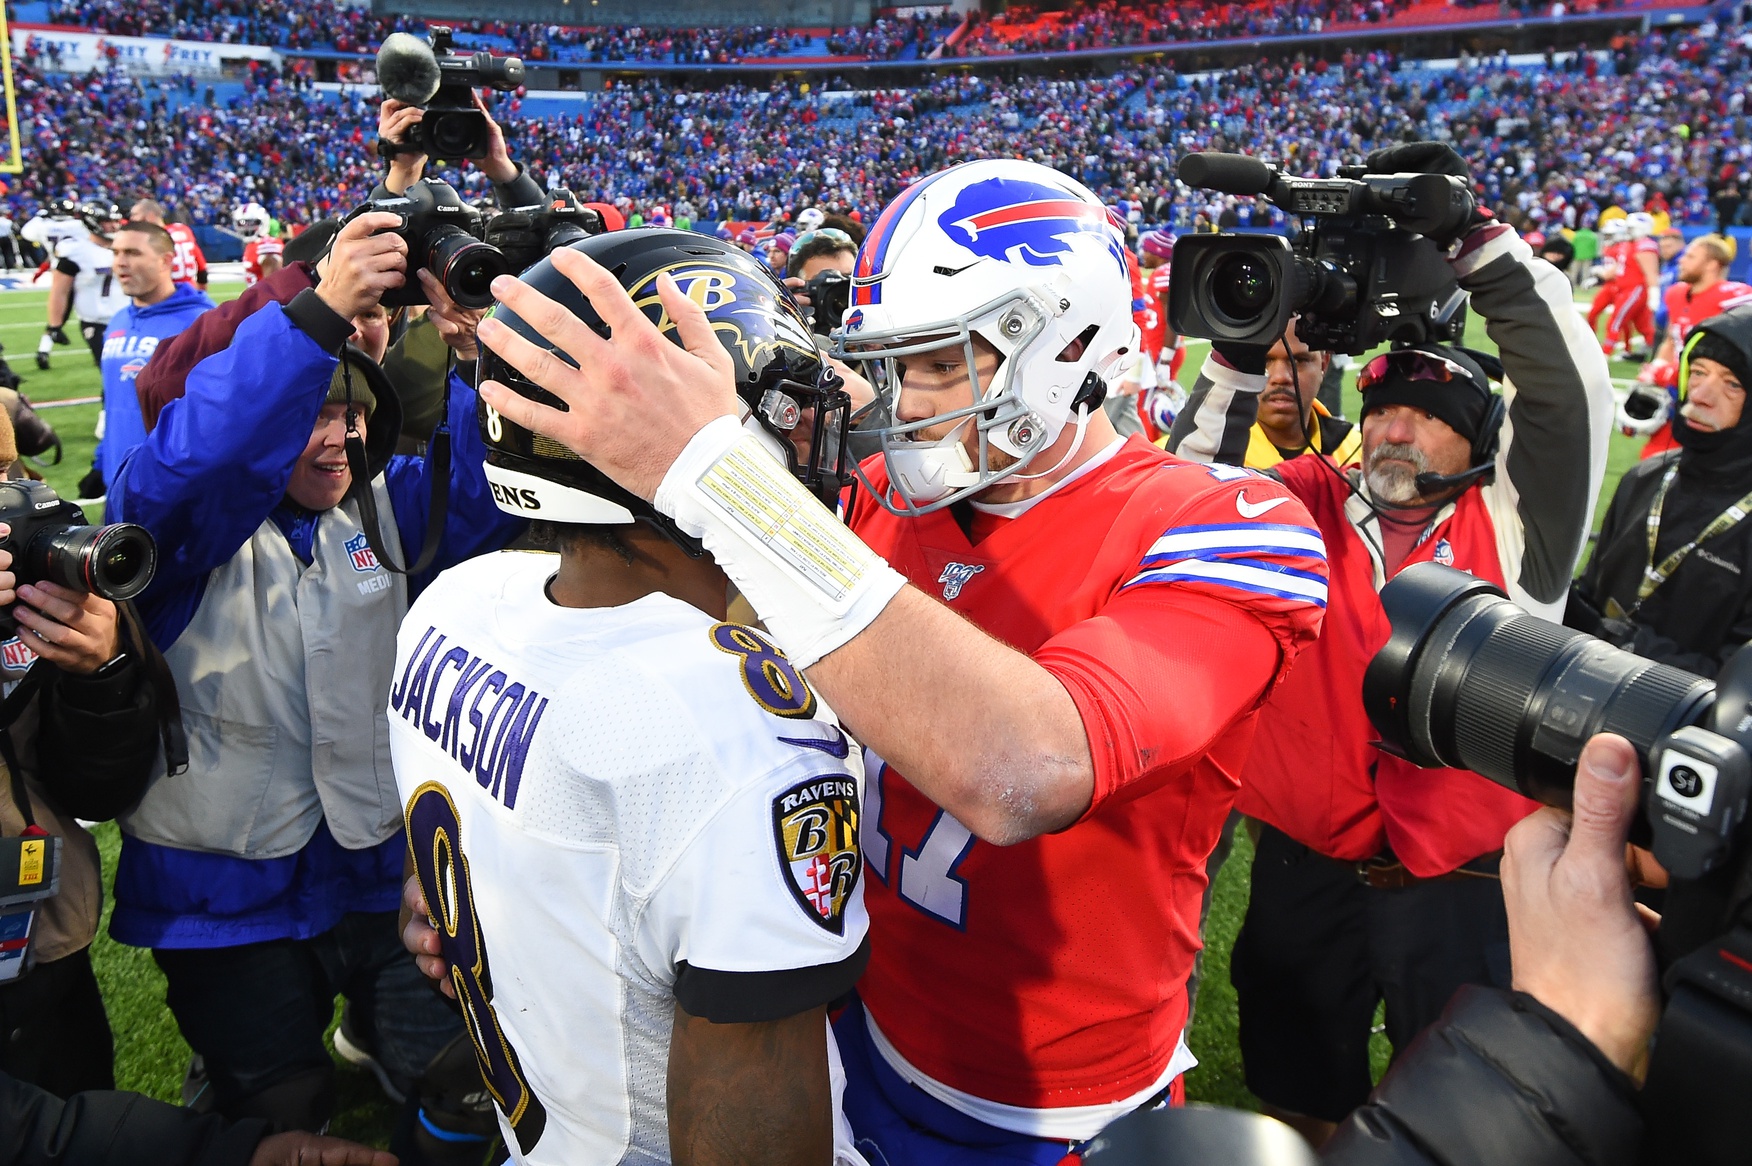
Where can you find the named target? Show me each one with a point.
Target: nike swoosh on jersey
(1255, 509)
(838, 747)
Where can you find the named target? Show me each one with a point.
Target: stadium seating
(1659, 114)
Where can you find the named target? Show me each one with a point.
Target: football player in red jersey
(261, 251)
(1055, 689)
(1701, 291)
(187, 263)
(1633, 289)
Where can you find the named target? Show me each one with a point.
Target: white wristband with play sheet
(812, 581)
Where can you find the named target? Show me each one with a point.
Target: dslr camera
(1362, 271)
(830, 294)
(442, 81)
(50, 542)
(443, 235)
(526, 234)
(1471, 681)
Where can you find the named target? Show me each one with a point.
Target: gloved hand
(1654, 299)
(1659, 372)
(57, 334)
(1428, 158)
(1247, 358)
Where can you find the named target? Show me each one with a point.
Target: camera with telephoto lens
(443, 235)
(1362, 272)
(50, 543)
(830, 294)
(526, 234)
(442, 81)
(1469, 680)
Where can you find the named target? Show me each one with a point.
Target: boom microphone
(1428, 484)
(1229, 173)
(407, 69)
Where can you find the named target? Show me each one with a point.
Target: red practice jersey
(1166, 597)
(1624, 257)
(187, 263)
(1686, 310)
(254, 252)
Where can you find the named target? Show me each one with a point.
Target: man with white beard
(1375, 880)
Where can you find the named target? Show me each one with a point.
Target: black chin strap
(438, 466)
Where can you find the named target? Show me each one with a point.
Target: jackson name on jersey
(615, 811)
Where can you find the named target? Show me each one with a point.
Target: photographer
(1375, 879)
(79, 741)
(1671, 575)
(265, 878)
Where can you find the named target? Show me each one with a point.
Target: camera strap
(437, 464)
(1656, 574)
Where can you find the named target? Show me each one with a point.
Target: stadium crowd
(1085, 26)
(1663, 113)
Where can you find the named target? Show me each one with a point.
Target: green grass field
(151, 1055)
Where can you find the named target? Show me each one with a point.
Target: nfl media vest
(284, 677)
(1315, 772)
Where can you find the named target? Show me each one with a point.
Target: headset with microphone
(1484, 452)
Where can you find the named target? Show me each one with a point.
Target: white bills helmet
(1009, 252)
(1641, 224)
(250, 219)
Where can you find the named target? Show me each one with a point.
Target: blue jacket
(216, 465)
(128, 343)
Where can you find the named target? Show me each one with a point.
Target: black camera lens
(456, 134)
(115, 561)
(1242, 286)
(466, 267)
(1469, 680)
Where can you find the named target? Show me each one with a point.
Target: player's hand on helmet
(421, 938)
(1577, 940)
(861, 391)
(366, 260)
(456, 325)
(497, 165)
(298, 1148)
(635, 400)
(395, 122)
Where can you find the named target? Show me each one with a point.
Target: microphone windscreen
(1229, 173)
(406, 69)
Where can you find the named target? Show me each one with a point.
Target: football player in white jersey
(83, 282)
(48, 229)
(635, 825)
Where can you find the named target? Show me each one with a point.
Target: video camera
(438, 79)
(443, 235)
(50, 542)
(1469, 680)
(1361, 273)
(526, 234)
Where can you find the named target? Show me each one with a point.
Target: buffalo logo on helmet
(1014, 220)
(739, 305)
(815, 825)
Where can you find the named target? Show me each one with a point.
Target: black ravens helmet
(790, 395)
(100, 215)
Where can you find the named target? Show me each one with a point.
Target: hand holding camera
(456, 325)
(428, 227)
(396, 123)
(367, 260)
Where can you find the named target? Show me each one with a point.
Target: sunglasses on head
(1413, 365)
(833, 233)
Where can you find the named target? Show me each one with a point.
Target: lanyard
(1656, 574)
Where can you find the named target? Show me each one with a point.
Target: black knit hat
(1710, 346)
(1463, 401)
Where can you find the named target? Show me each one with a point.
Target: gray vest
(284, 676)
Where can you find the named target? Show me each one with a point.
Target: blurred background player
(261, 251)
(1631, 288)
(1162, 349)
(84, 282)
(187, 263)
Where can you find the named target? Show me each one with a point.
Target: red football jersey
(1686, 310)
(187, 263)
(254, 252)
(1153, 320)
(1166, 597)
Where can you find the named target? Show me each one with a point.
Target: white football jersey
(96, 294)
(615, 811)
(49, 233)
